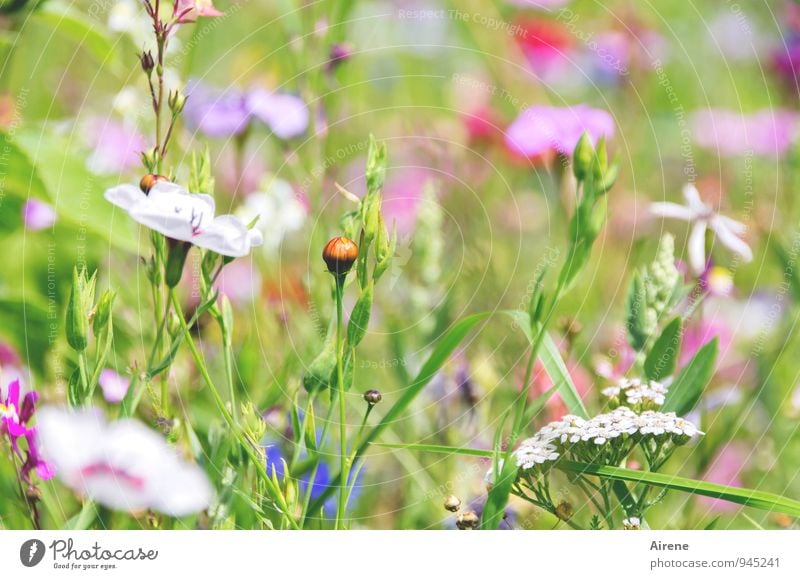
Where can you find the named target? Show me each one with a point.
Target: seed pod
(372, 397)
(467, 521)
(340, 254)
(452, 503)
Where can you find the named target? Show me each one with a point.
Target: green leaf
(553, 364)
(688, 386)
(663, 356)
(743, 496)
(495, 507)
(747, 497)
(557, 370)
(359, 318)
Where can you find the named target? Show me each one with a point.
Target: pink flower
(729, 133)
(38, 215)
(726, 469)
(698, 335)
(240, 282)
(541, 129)
(114, 386)
(189, 10)
(115, 148)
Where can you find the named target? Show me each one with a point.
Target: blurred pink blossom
(540, 129)
(768, 132)
(115, 147)
(239, 281)
(114, 386)
(726, 469)
(38, 215)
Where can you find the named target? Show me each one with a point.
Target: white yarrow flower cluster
(637, 392)
(555, 438)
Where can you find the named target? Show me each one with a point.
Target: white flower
(632, 523)
(123, 465)
(638, 392)
(661, 423)
(534, 451)
(279, 212)
(703, 216)
(171, 210)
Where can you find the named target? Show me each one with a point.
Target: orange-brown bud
(149, 181)
(340, 254)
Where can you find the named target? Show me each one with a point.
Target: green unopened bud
(582, 157)
(102, 312)
(81, 298)
(385, 248)
(600, 160)
(176, 101)
(150, 159)
(176, 258)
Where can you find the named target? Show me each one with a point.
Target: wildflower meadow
(399, 264)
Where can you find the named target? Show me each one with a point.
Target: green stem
(84, 370)
(247, 445)
(344, 458)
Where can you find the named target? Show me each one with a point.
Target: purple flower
(728, 133)
(114, 386)
(227, 113)
(14, 418)
(38, 215)
(540, 129)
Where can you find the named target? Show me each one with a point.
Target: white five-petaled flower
(123, 465)
(703, 217)
(173, 211)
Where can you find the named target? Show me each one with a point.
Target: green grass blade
(688, 386)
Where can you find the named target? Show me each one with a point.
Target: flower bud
(340, 254)
(81, 298)
(176, 101)
(147, 62)
(150, 180)
(467, 521)
(564, 511)
(102, 312)
(452, 503)
(582, 157)
(176, 258)
(372, 397)
(339, 53)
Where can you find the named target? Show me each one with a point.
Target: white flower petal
(228, 235)
(672, 211)
(729, 239)
(697, 247)
(693, 199)
(125, 196)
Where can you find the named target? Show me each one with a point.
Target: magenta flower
(227, 113)
(114, 386)
(540, 129)
(14, 419)
(38, 215)
(768, 132)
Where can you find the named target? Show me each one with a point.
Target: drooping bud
(150, 180)
(340, 254)
(372, 397)
(452, 503)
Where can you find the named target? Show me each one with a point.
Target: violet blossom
(15, 416)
